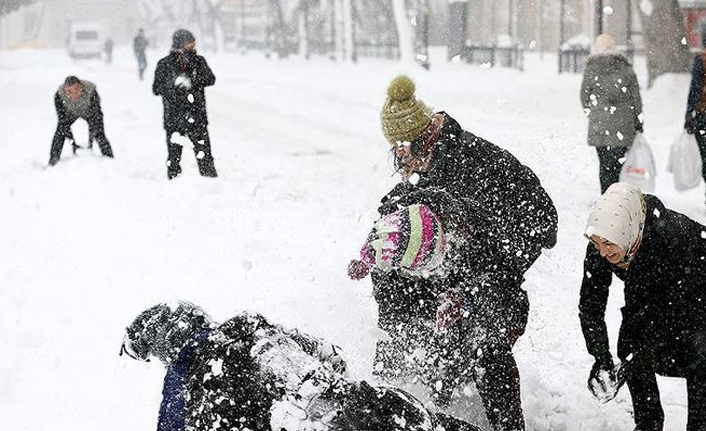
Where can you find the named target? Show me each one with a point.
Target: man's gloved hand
(452, 306)
(606, 379)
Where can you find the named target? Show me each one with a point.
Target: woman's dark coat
(610, 94)
(665, 295)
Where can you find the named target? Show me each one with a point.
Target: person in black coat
(77, 98)
(659, 254)
(139, 47)
(500, 218)
(248, 373)
(181, 78)
(610, 97)
(695, 121)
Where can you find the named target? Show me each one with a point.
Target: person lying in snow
(659, 255)
(248, 373)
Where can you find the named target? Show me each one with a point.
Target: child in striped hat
(410, 239)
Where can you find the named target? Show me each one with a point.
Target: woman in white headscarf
(660, 255)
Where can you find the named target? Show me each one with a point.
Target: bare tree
(7, 6)
(665, 38)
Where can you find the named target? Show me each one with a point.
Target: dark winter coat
(494, 206)
(251, 374)
(232, 378)
(139, 45)
(184, 108)
(696, 103)
(610, 95)
(665, 295)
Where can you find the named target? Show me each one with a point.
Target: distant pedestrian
(610, 96)
(76, 99)
(180, 78)
(696, 104)
(108, 49)
(139, 45)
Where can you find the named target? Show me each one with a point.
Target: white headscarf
(618, 216)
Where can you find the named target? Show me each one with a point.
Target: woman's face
(409, 162)
(613, 253)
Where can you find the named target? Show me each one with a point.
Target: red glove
(358, 269)
(450, 309)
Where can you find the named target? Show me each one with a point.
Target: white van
(85, 40)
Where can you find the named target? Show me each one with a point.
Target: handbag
(685, 162)
(639, 168)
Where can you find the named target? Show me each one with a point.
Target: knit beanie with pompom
(404, 118)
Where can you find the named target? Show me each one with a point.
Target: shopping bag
(685, 162)
(639, 167)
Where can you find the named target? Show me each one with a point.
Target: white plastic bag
(639, 167)
(685, 162)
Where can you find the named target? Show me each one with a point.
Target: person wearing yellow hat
(499, 217)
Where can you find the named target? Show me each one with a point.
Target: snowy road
(88, 244)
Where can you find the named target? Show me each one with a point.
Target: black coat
(665, 295)
(178, 108)
(236, 373)
(240, 374)
(498, 213)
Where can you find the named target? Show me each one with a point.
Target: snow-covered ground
(88, 244)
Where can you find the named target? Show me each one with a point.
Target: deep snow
(88, 244)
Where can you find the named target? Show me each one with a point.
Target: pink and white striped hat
(411, 239)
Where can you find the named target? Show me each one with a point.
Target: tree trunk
(665, 38)
(405, 32)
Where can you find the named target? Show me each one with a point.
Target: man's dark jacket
(184, 108)
(665, 295)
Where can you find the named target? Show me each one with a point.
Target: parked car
(85, 40)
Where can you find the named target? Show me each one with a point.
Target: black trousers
(649, 416)
(141, 65)
(699, 123)
(96, 131)
(478, 343)
(198, 135)
(610, 165)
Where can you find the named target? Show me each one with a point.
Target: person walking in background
(139, 46)
(695, 121)
(77, 98)
(610, 96)
(502, 217)
(658, 254)
(108, 49)
(181, 78)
